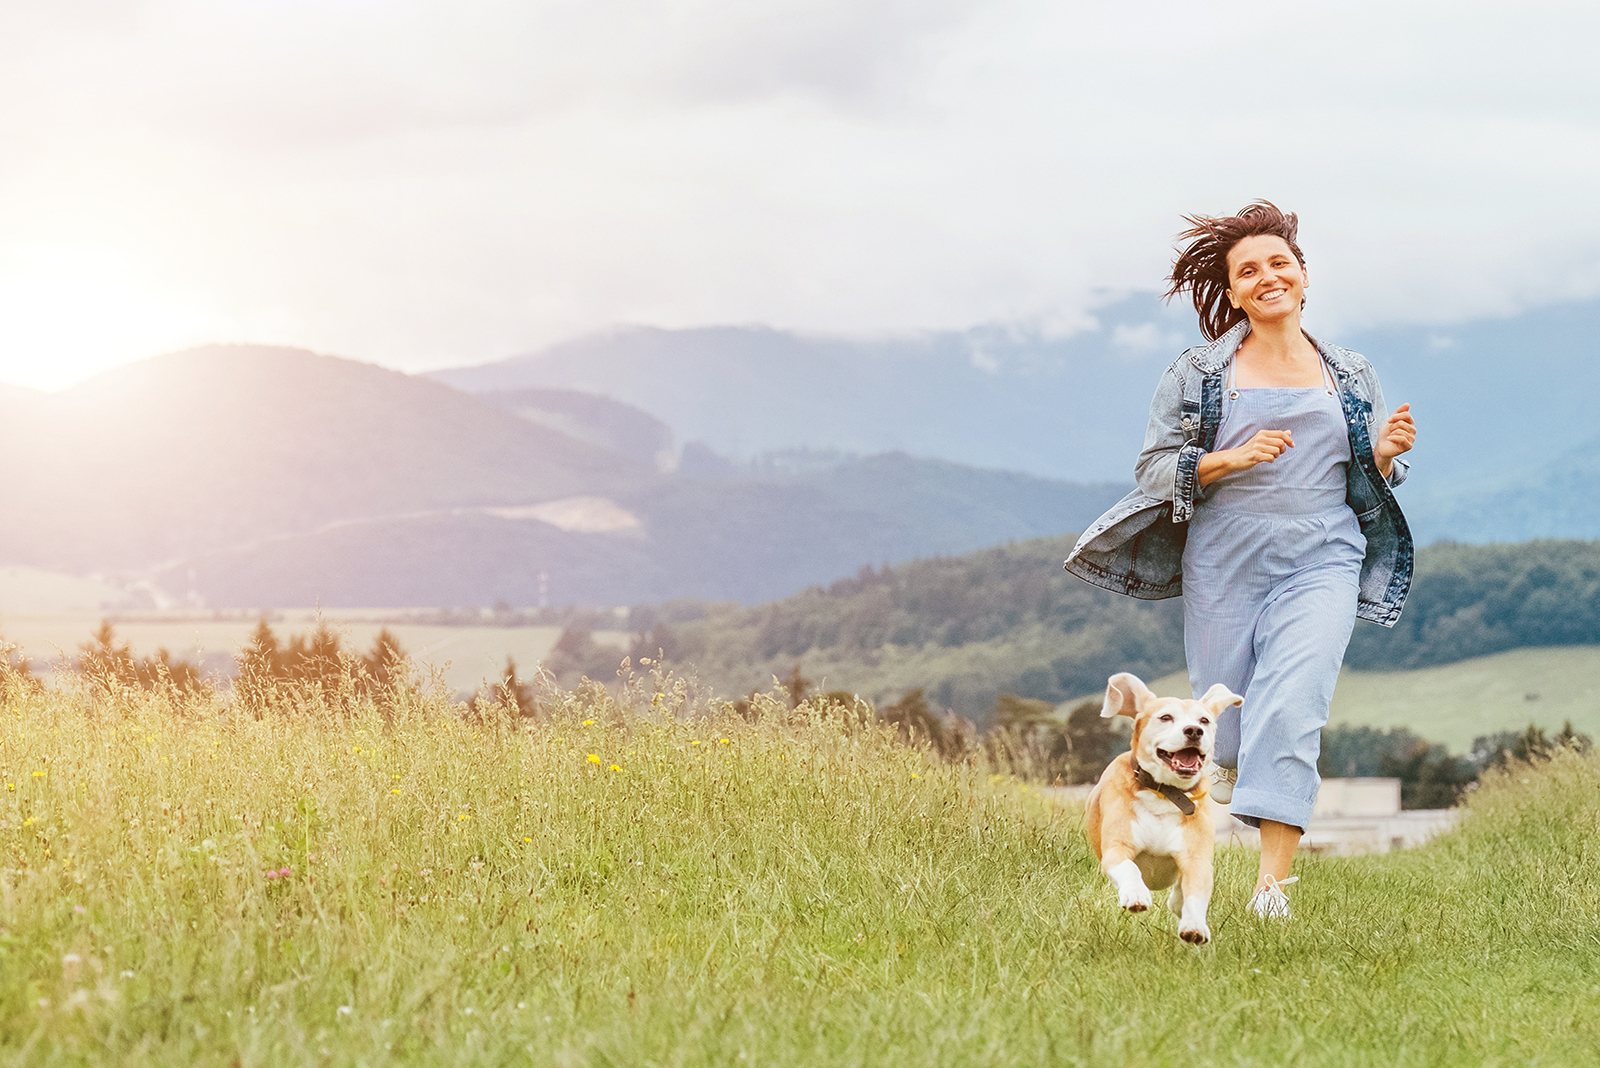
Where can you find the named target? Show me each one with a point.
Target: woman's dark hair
(1202, 266)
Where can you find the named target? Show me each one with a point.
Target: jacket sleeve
(1166, 466)
(1380, 414)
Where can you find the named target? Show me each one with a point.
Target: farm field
(464, 656)
(1455, 703)
(646, 880)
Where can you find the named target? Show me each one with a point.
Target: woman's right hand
(1265, 447)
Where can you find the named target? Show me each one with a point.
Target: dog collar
(1184, 801)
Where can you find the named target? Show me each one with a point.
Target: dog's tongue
(1187, 761)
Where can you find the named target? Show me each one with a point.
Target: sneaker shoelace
(1270, 901)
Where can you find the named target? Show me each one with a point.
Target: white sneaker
(1222, 780)
(1270, 902)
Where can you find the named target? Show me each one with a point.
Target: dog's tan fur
(1143, 840)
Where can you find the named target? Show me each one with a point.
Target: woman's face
(1265, 279)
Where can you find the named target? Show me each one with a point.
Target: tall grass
(646, 878)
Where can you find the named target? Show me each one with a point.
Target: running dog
(1148, 820)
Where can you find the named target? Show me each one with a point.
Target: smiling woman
(1264, 499)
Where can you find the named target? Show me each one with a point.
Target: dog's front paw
(1135, 898)
(1195, 934)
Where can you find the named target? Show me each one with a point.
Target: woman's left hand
(1399, 433)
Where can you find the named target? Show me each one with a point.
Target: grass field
(1455, 703)
(643, 880)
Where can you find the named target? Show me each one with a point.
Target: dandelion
(722, 741)
(616, 767)
(914, 775)
(594, 758)
(525, 838)
(38, 775)
(395, 790)
(588, 723)
(694, 743)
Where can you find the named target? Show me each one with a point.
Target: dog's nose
(1194, 734)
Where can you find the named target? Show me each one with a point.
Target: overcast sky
(423, 183)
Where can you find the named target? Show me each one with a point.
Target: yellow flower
(463, 816)
(38, 775)
(28, 822)
(914, 775)
(594, 758)
(527, 839)
(722, 741)
(395, 790)
(616, 767)
(588, 723)
(694, 743)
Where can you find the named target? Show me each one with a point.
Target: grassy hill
(646, 880)
(1452, 704)
(1009, 620)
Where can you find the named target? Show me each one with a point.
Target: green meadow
(644, 878)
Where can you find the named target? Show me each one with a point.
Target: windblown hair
(1202, 266)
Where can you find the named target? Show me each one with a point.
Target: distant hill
(1496, 400)
(240, 476)
(215, 447)
(966, 629)
(738, 537)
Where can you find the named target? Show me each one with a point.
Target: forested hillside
(967, 629)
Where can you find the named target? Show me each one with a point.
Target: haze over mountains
(1503, 404)
(263, 477)
(730, 463)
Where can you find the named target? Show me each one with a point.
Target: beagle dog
(1147, 819)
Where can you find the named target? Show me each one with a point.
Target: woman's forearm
(1213, 465)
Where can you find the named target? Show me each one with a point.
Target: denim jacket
(1137, 547)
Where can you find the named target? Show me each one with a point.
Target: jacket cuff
(1398, 470)
(1185, 481)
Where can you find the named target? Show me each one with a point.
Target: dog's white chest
(1157, 825)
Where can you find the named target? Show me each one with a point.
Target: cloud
(421, 183)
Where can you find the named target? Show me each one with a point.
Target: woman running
(1264, 498)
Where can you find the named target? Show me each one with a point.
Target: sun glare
(66, 314)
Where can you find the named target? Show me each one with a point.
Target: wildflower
(588, 723)
(345, 1010)
(463, 816)
(594, 758)
(395, 790)
(72, 958)
(525, 838)
(38, 775)
(616, 767)
(914, 775)
(722, 741)
(79, 909)
(694, 743)
(127, 975)
(28, 822)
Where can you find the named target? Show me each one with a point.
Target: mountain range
(239, 476)
(731, 463)
(1502, 404)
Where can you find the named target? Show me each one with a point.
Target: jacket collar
(1209, 359)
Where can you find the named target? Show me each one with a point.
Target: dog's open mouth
(1185, 762)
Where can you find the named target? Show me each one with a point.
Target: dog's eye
(1204, 722)
(1167, 718)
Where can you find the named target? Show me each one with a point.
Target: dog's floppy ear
(1125, 695)
(1219, 697)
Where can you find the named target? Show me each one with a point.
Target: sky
(429, 183)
